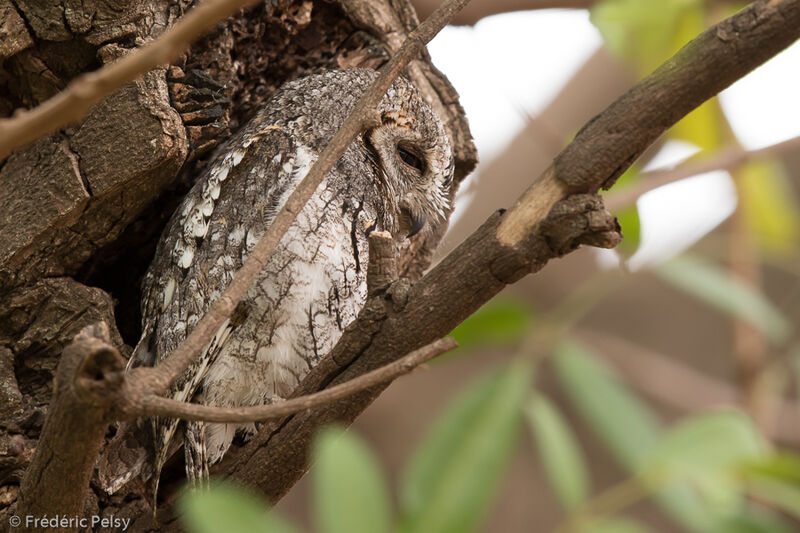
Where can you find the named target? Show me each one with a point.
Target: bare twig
(725, 159)
(160, 406)
(478, 10)
(361, 117)
(83, 92)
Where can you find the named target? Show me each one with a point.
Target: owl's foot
(580, 219)
(204, 108)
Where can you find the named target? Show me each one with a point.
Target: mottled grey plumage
(394, 177)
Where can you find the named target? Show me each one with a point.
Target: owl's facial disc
(415, 180)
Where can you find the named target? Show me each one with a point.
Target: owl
(395, 177)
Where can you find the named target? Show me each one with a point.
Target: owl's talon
(201, 102)
(274, 398)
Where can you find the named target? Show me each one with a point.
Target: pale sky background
(513, 64)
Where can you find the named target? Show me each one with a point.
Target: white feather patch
(169, 291)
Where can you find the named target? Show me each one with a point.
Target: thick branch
(508, 246)
(613, 140)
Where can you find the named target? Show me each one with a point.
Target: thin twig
(361, 117)
(160, 406)
(725, 159)
(83, 92)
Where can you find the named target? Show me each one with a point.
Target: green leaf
(769, 205)
(780, 494)
(453, 476)
(708, 443)
(629, 216)
(775, 480)
(558, 451)
(624, 423)
(699, 462)
(708, 450)
(500, 321)
(755, 520)
(709, 283)
(350, 494)
(229, 508)
(647, 33)
(614, 525)
(782, 466)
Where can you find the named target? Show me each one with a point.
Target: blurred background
(661, 379)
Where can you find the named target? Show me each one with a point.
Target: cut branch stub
(87, 380)
(382, 269)
(100, 375)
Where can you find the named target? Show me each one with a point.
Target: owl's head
(408, 158)
(414, 161)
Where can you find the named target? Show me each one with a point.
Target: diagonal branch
(608, 144)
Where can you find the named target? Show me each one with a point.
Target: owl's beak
(415, 222)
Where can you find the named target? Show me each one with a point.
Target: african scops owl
(396, 177)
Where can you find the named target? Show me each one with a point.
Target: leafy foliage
(450, 481)
(559, 452)
(709, 283)
(228, 508)
(350, 493)
(500, 321)
(448, 488)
